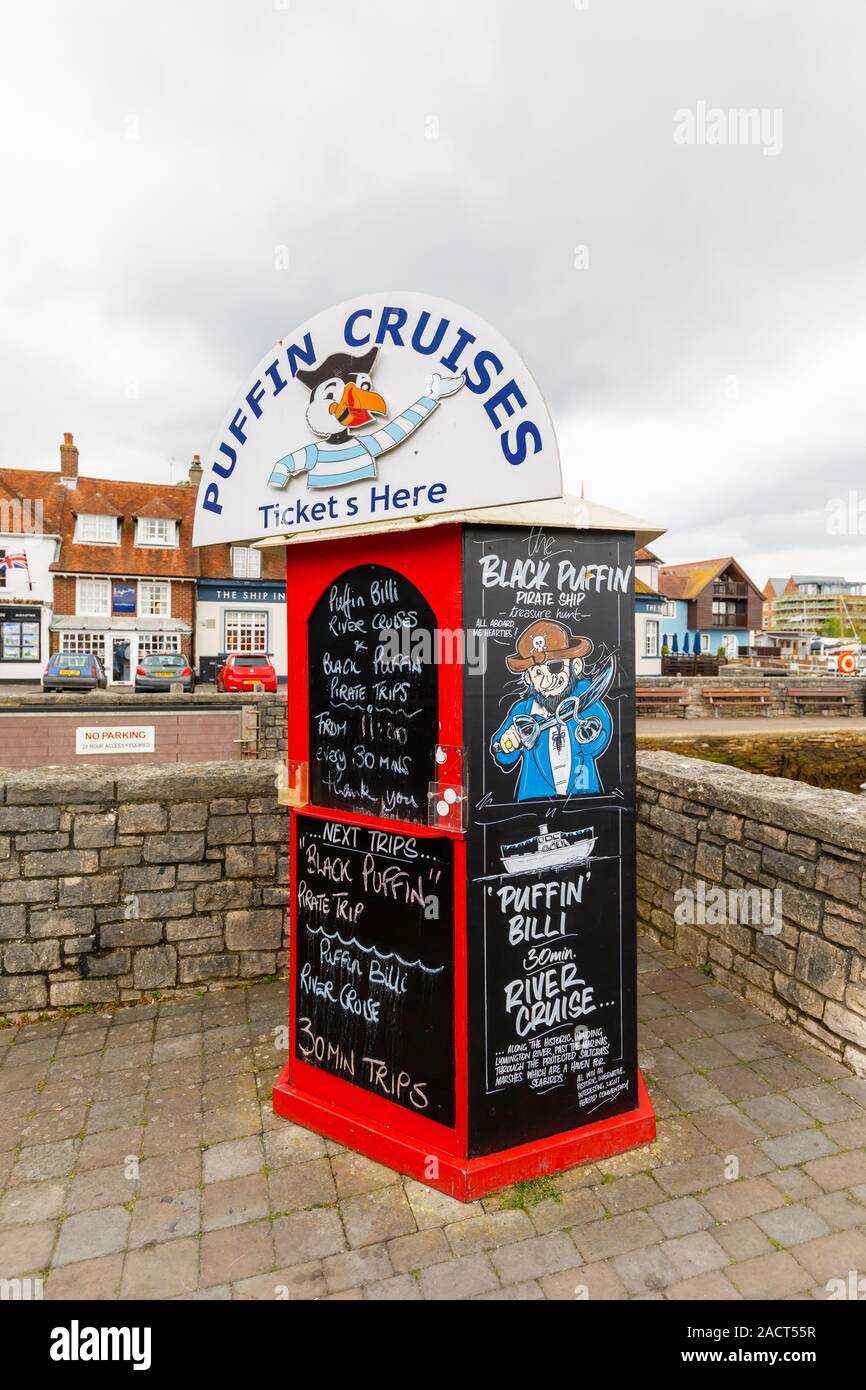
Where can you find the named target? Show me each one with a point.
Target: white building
(29, 545)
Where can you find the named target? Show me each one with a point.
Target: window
(705, 642)
(651, 639)
(97, 530)
(154, 598)
(84, 642)
(669, 609)
(19, 639)
(94, 598)
(246, 562)
(154, 530)
(246, 631)
(149, 642)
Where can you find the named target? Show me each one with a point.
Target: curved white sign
(390, 405)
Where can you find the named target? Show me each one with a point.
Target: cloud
(703, 367)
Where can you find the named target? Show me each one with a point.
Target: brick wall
(798, 953)
(120, 883)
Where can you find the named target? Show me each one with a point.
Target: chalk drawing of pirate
(342, 400)
(558, 729)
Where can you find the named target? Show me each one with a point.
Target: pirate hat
(546, 641)
(339, 364)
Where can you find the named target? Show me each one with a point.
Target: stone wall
(115, 883)
(801, 956)
(780, 702)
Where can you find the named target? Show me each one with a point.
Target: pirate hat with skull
(546, 641)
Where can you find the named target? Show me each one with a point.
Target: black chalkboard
(374, 968)
(373, 713)
(549, 727)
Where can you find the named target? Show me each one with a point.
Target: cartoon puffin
(342, 400)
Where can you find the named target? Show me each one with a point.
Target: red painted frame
(386, 1132)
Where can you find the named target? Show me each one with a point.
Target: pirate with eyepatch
(561, 725)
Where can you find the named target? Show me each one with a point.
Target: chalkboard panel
(550, 732)
(373, 697)
(374, 965)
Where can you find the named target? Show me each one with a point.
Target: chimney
(68, 461)
(195, 471)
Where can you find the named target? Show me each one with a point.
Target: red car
(243, 672)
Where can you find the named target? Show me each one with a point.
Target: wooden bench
(718, 695)
(663, 695)
(815, 694)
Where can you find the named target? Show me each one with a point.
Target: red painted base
(468, 1178)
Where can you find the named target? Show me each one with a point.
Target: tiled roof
(129, 501)
(91, 504)
(18, 485)
(689, 581)
(645, 556)
(644, 590)
(157, 510)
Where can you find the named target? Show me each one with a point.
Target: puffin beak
(358, 407)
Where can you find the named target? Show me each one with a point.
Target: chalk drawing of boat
(549, 849)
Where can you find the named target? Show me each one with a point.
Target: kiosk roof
(567, 513)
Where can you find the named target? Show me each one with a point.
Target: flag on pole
(15, 562)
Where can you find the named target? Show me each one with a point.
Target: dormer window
(156, 530)
(96, 530)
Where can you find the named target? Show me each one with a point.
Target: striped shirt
(334, 465)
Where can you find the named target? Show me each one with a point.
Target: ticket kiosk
(461, 765)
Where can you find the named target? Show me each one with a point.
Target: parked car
(74, 671)
(160, 670)
(243, 672)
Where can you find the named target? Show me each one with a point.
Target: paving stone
(783, 1073)
(49, 1126)
(694, 1254)
(89, 1279)
(291, 1144)
(529, 1292)
(462, 1278)
(798, 1148)
(770, 1276)
(838, 1170)
(693, 1092)
(231, 1122)
(695, 1174)
(302, 1185)
(432, 1208)
(714, 1287)
(308, 1235)
(26, 1248)
(681, 1216)
(740, 1083)
(777, 1115)
(32, 1202)
(300, 1282)
(630, 1194)
(840, 1210)
(529, 1259)
(401, 1288)
(584, 1283)
(236, 1158)
(792, 1225)
(745, 1197)
(377, 1216)
(85, 1236)
(161, 1271)
(743, 1240)
(238, 1253)
(601, 1240)
(574, 1208)
(727, 1127)
(826, 1103)
(832, 1256)
(44, 1161)
(167, 1173)
(422, 1248)
(233, 1202)
(645, 1271)
(165, 1218)
(355, 1174)
(112, 1114)
(358, 1267)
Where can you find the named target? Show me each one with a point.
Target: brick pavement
(139, 1159)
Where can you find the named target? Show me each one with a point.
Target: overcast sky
(703, 354)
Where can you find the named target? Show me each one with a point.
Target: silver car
(161, 670)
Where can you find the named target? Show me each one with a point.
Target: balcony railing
(729, 588)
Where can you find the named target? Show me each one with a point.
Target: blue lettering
(232, 458)
(463, 341)
(390, 323)
(237, 427)
(274, 373)
(254, 395)
(349, 330)
(210, 502)
(503, 397)
(307, 354)
(418, 334)
(525, 431)
(481, 360)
